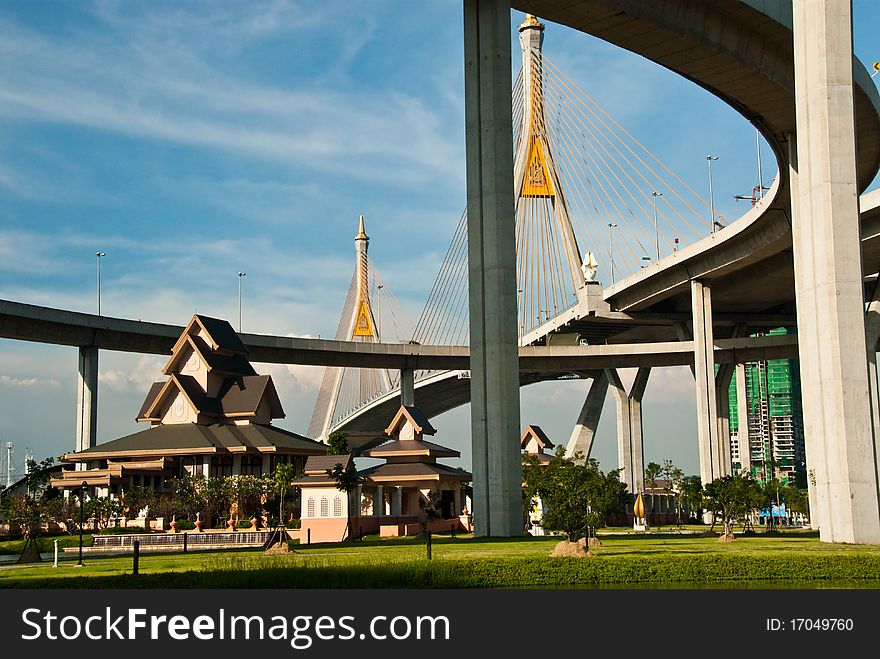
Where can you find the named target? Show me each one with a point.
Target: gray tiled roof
(413, 447)
(174, 437)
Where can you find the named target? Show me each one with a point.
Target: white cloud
(28, 382)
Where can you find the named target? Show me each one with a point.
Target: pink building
(390, 497)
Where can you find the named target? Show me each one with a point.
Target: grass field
(464, 562)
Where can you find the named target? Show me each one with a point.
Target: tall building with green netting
(774, 442)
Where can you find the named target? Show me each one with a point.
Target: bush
(293, 524)
(243, 524)
(185, 525)
(123, 531)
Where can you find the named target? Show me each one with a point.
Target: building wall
(178, 410)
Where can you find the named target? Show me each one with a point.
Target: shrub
(243, 524)
(185, 525)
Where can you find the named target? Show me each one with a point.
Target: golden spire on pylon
(361, 234)
(531, 21)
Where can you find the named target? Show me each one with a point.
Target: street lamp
(240, 275)
(709, 160)
(654, 196)
(82, 506)
(611, 247)
(98, 256)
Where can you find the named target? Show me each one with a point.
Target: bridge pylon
(359, 322)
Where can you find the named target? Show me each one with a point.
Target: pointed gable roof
(222, 339)
(412, 415)
(155, 388)
(223, 364)
(242, 397)
(189, 388)
(536, 433)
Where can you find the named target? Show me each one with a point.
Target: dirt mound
(726, 537)
(279, 548)
(577, 549)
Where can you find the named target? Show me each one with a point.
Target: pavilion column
(397, 504)
(358, 498)
(742, 414)
(704, 375)
(86, 400)
(584, 432)
(494, 361)
(630, 445)
(407, 387)
(840, 447)
(379, 502)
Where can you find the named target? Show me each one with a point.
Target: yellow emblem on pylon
(536, 182)
(363, 326)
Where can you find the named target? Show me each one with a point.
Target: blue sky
(190, 141)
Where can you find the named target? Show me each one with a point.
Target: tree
(771, 494)
(732, 497)
(347, 480)
(337, 443)
(281, 484)
(576, 495)
(693, 495)
(652, 472)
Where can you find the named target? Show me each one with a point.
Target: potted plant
(198, 522)
(174, 523)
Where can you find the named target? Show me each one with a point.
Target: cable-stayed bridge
(808, 252)
(592, 206)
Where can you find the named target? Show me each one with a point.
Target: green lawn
(461, 562)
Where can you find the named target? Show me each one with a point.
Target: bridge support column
(407, 387)
(742, 415)
(840, 447)
(588, 420)
(704, 374)
(630, 445)
(722, 391)
(494, 361)
(87, 400)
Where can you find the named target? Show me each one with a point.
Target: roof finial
(361, 234)
(531, 21)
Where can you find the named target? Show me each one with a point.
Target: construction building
(772, 428)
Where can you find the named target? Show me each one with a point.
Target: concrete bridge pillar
(742, 414)
(704, 374)
(87, 400)
(494, 361)
(407, 387)
(584, 432)
(722, 392)
(841, 450)
(630, 444)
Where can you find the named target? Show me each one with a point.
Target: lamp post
(611, 247)
(98, 256)
(654, 196)
(82, 506)
(709, 160)
(240, 275)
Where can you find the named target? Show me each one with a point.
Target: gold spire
(531, 21)
(361, 235)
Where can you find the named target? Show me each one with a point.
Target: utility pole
(709, 160)
(611, 228)
(240, 275)
(98, 256)
(654, 196)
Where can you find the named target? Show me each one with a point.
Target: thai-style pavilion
(212, 416)
(390, 496)
(534, 442)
